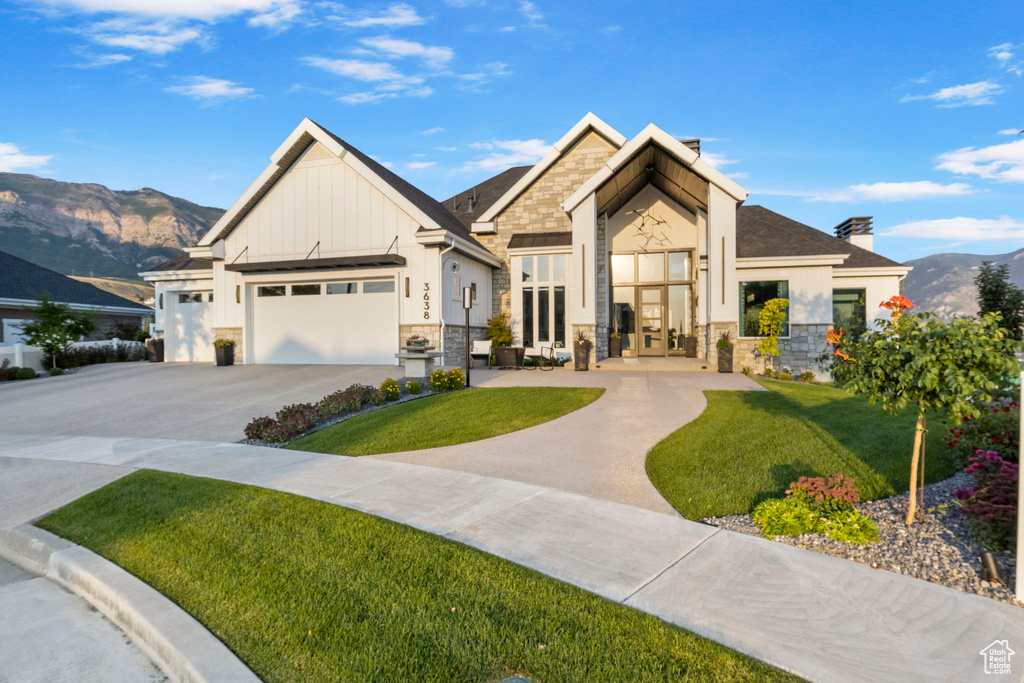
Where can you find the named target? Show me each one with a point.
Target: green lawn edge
(447, 419)
(748, 446)
(301, 589)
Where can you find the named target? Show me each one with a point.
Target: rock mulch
(938, 549)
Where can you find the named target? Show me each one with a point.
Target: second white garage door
(336, 323)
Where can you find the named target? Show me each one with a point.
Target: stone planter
(225, 354)
(581, 357)
(690, 346)
(414, 343)
(725, 359)
(615, 347)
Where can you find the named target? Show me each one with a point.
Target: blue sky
(904, 111)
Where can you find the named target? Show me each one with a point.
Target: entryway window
(652, 301)
(543, 299)
(753, 296)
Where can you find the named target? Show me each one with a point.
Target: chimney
(693, 143)
(857, 231)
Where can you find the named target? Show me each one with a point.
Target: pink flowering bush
(837, 492)
(997, 429)
(991, 505)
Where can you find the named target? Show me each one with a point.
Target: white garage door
(189, 331)
(351, 322)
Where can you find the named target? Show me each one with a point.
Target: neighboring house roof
(534, 240)
(470, 204)
(22, 280)
(762, 233)
(424, 202)
(184, 262)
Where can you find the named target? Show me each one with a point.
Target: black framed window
(849, 309)
(305, 290)
(271, 290)
(527, 316)
(753, 296)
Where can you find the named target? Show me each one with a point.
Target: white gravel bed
(938, 549)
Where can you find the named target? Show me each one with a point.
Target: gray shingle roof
(763, 233)
(486, 193)
(534, 240)
(184, 262)
(20, 279)
(424, 202)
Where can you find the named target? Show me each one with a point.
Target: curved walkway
(820, 617)
(599, 450)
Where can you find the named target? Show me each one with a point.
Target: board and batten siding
(323, 199)
(810, 291)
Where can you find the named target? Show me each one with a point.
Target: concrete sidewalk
(600, 450)
(46, 633)
(820, 617)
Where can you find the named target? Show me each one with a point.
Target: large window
(849, 310)
(753, 296)
(543, 313)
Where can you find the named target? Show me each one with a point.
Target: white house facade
(330, 258)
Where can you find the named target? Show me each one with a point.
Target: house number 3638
(426, 301)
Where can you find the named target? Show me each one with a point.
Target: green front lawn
(749, 445)
(447, 419)
(302, 590)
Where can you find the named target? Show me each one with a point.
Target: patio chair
(547, 352)
(480, 349)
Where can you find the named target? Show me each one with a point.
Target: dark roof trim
(338, 263)
(540, 240)
(184, 262)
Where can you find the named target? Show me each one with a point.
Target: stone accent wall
(235, 335)
(455, 343)
(571, 346)
(539, 208)
(799, 352)
(601, 290)
(431, 332)
(711, 349)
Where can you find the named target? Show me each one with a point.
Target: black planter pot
(690, 346)
(615, 347)
(225, 354)
(581, 358)
(725, 359)
(507, 356)
(155, 350)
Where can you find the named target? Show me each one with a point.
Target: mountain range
(86, 229)
(944, 283)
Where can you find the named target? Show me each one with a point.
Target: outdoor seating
(480, 349)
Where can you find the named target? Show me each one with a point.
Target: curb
(176, 642)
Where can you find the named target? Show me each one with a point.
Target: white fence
(25, 356)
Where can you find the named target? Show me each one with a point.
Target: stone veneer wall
(539, 208)
(601, 290)
(235, 335)
(455, 342)
(799, 352)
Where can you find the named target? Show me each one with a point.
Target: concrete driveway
(170, 400)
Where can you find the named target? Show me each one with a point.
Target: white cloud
(279, 16)
(971, 94)
(419, 165)
(360, 70)
(1003, 163)
(204, 10)
(13, 159)
(1006, 58)
(611, 29)
(1010, 131)
(533, 16)
(155, 37)
(506, 153)
(717, 159)
(94, 61)
(738, 176)
(432, 131)
(485, 74)
(384, 93)
(210, 90)
(433, 56)
(507, 29)
(396, 15)
(959, 228)
(447, 149)
(893, 192)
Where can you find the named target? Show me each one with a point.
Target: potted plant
(690, 345)
(499, 332)
(581, 350)
(614, 345)
(417, 340)
(725, 349)
(225, 349)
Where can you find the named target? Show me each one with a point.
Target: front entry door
(652, 321)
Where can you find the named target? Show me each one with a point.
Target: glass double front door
(663, 318)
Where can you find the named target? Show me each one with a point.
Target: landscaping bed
(301, 589)
(939, 549)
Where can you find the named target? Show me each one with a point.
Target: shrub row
(10, 372)
(81, 356)
(997, 429)
(294, 420)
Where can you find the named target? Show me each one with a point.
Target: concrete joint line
(178, 644)
(491, 514)
(669, 566)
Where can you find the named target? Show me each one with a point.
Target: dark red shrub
(298, 418)
(837, 492)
